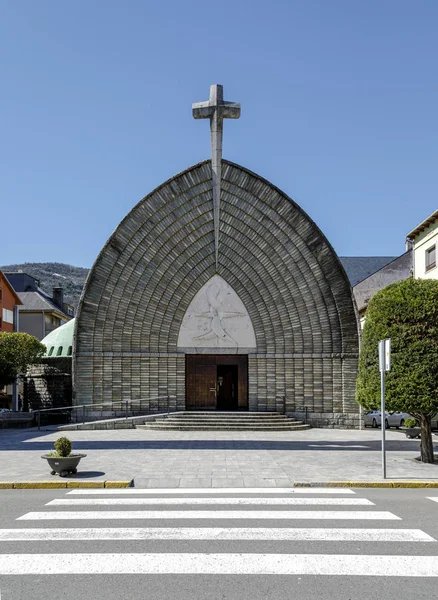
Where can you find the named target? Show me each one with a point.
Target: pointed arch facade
(272, 255)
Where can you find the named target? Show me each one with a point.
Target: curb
(46, 485)
(367, 484)
(35, 485)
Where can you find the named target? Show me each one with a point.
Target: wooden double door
(216, 382)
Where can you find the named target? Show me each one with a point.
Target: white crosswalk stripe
(197, 516)
(222, 564)
(216, 533)
(210, 514)
(209, 491)
(433, 498)
(210, 501)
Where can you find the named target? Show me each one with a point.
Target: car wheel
(374, 424)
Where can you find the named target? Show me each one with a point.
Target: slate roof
(35, 301)
(361, 267)
(396, 270)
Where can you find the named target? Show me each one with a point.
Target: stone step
(237, 414)
(224, 418)
(225, 422)
(211, 427)
(227, 428)
(229, 417)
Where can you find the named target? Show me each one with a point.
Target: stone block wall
(275, 258)
(48, 384)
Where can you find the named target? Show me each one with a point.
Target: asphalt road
(137, 544)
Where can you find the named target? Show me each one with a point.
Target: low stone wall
(48, 384)
(16, 419)
(328, 420)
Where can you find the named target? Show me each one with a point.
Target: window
(8, 316)
(69, 351)
(51, 350)
(430, 258)
(59, 351)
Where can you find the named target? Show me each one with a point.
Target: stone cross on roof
(216, 110)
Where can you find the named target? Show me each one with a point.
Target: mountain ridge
(72, 279)
(54, 274)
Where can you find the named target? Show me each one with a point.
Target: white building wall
(426, 240)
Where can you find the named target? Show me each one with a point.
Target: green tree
(406, 312)
(17, 352)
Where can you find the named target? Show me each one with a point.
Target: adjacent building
(399, 268)
(418, 261)
(9, 303)
(9, 300)
(48, 384)
(39, 313)
(424, 241)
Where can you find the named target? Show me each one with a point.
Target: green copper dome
(59, 342)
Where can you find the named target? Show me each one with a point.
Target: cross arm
(202, 110)
(230, 110)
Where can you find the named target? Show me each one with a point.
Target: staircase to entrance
(225, 421)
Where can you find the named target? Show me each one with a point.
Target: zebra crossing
(248, 514)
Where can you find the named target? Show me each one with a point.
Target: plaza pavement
(168, 459)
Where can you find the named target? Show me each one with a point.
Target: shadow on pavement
(26, 442)
(87, 474)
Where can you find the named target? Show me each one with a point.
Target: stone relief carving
(216, 318)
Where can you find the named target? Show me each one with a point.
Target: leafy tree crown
(17, 352)
(406, 312)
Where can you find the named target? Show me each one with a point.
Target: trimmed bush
(410, 422)
(63, 446)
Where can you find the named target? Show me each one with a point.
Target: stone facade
(48, 384)
(273, 256)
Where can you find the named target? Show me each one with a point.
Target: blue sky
(339, 109)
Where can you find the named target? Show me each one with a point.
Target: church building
(219, 291)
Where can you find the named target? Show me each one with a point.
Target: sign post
(385, 365)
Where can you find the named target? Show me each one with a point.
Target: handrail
(102, 403)
(303, 408)
(126, 403)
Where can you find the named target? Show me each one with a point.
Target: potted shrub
(62, 460)
(411, 429)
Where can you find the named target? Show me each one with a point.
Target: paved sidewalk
(218, 459)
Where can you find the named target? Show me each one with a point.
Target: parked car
(394, 419)
(4, 410)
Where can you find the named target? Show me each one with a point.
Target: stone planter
(64, 465)
(412, 432)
